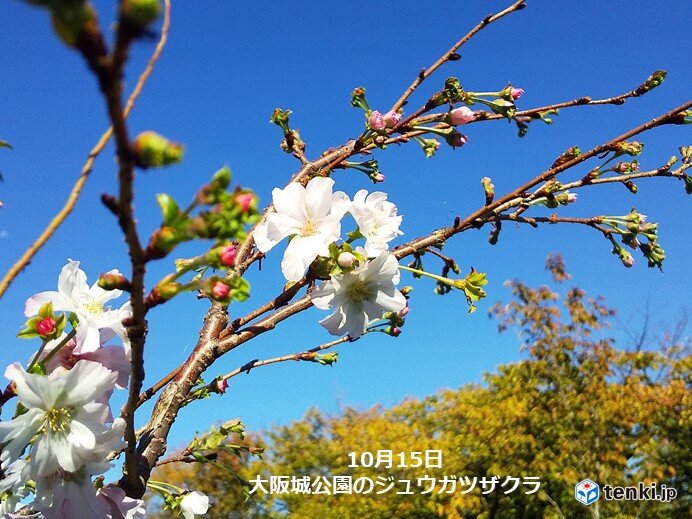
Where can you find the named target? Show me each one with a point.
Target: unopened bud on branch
(153, 150)
(461, 115)
(141, 13)
(391, 118)
(376, 121)
(113, 281)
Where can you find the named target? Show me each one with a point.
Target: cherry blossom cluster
(361, 281)
(63, 435)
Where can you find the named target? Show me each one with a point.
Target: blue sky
(228, 65)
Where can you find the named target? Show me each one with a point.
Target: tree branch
(76, 190)
(426, 73)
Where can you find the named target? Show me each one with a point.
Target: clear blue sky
(229, 64)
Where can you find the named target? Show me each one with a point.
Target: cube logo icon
(587, 492)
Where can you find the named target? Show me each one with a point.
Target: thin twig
(426, 73)
(59, 218)
(307, 355)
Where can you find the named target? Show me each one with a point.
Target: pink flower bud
(461, 115)
(379, 177)
(391, 118)
(220, 290)
(516, 92)
(627, 260)
(245, 200)
(222, 385)
(45, 326)
(376, 121)
(404, 311)
(396, 331)
(346, 259)
(457, 140)
(227, 257)
(571, 198)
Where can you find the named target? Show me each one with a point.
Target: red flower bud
(45, 326)
(227, 256)
(220, 290)
(245, 201)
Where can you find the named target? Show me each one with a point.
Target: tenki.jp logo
(587, 492)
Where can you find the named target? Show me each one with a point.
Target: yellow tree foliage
(577, 407)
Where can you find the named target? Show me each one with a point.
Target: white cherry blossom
(360, 296)
(12, 488)
(121, 506)
(311, 215)
(69, 498)
(62, 411)
(193, 504)
(377, 220)
(87, 303)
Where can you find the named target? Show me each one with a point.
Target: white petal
(29, 388)
(334, 322)
(43, 460)
(359, 198)
(323, 294)
(298, 256)
(384, 268)
(389, 298)
(290, 200)
(66, 452)
(194, 503)
(18, 432)
(273, 229)
(318, 197)
(72, 280)
(81, 436)
(376, 199)
(340, 205)
(35, 302)
(88, 337)
(115, 359)
(355, 321)
(86, 381)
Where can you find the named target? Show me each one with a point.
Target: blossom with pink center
(376, 121)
